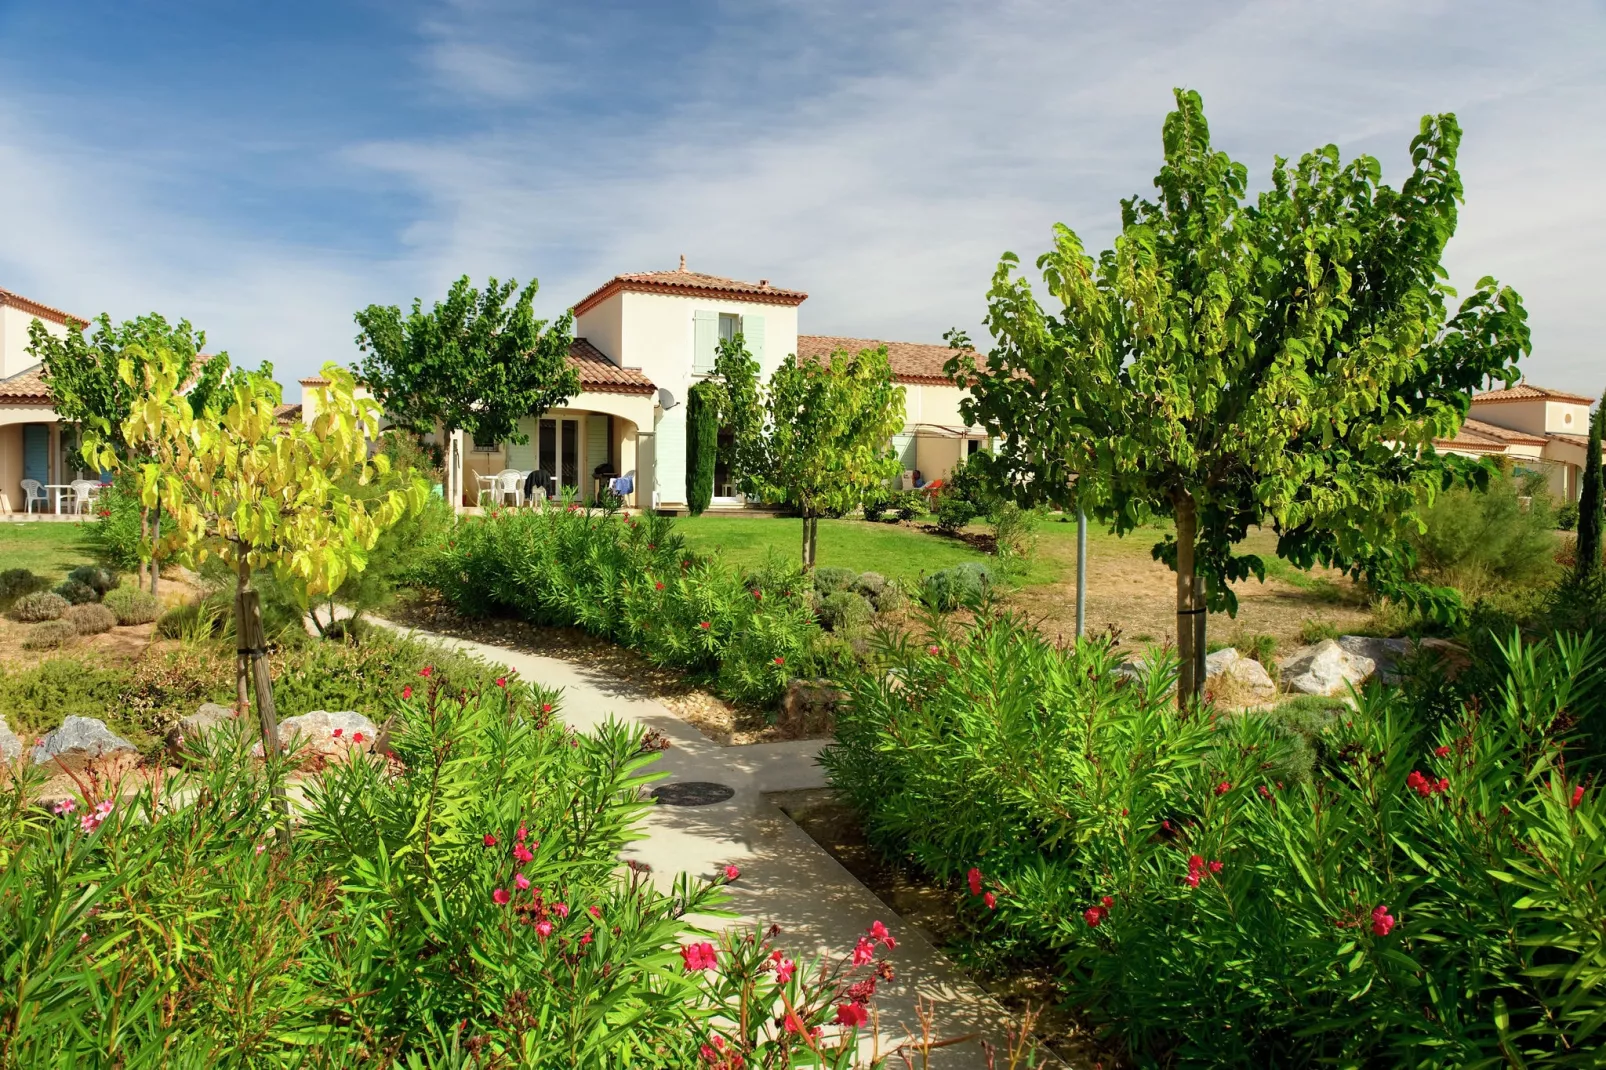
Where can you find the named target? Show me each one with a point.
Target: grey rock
(1385, 653)
(81, 740)
(1325, 668)
(10, 745)
(208, 716)
(1237, 682)
(326, 734)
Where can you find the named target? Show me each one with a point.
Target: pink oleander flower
(522, 834)
(522, 853)
(521, 882)
(407, 692)
(990, 899)
(1107, 902)
(1093, 916)
(501, 681)
(851, 1015)
(426, 671)
(878, 933)
(585, 938)
(1578, 797)
(501, 897)
(488, 840)
(261, 847)
(1223, 787)
(1215, 867)
(780, 661)
(595, 912)
(92, 820)
(705, 625)
(65, 806)
(974, 877)
(336, 733)
(731, 873)
(560, 909)
(1442, 752)
(356, 737)
(1382, 920)
(784, 966)
(932, 650)
(543, 928)
(698, 957)
(546, 707)
(863, 951)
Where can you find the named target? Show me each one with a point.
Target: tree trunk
(252, 647)
(242, 661)
(814, 539)
(156, 535)
(144, 531)
(1190, 606)
(808, 561)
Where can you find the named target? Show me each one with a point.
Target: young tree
(702, 443)
(256, 494)
(1592, 500)
(1231, 364)
(741, 412)
(828, 438)
(86, 389)
(472, 363)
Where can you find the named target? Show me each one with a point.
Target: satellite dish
(666, 400)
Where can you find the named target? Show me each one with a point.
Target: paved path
(787, 878)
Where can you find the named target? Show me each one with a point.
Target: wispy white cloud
(879, 156)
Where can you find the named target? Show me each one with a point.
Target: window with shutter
(753, 337)
(705, 341)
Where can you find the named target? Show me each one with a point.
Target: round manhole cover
(693, 793)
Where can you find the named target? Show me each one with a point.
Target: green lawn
(47, 549)
(890, 549)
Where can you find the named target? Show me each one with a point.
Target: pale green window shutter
(705, 341)
(596, 442)
(753, 337)
(904, 446)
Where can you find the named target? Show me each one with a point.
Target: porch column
(627, 456)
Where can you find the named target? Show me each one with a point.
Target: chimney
(682, 261)
(763, 282)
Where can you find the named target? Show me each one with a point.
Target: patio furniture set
(514, 487)
(79, 496)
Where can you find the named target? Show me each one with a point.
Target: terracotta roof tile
(1488, 438)
(1529, 392)
(287, 413)
(602, 375)
(691, 284)
(912, 362)
(27, 387)
(34, 308)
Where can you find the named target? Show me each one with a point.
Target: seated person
(919, 479)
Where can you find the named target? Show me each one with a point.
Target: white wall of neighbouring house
(1526, 416)
(1566, 418)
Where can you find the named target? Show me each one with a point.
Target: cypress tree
(1592, 500)
(702, 445)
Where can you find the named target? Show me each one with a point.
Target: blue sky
(266, 169)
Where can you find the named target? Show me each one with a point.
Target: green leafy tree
(741, 413)
(86, 388)
(472, 363)
(1227, 364)
(702, 444)
(828, 437)
(1592, 500)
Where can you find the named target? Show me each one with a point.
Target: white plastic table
(56, 490)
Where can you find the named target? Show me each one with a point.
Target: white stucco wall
(1566, 418)
(14, 355)
(924, 404)
(602, 326)
(1526, 416)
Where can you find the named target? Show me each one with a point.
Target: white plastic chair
(487, 486)
(510, 481)
(83, 494)
(33, 491)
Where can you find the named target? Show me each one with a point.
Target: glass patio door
(559, 455)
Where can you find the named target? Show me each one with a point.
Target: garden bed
(931, 909)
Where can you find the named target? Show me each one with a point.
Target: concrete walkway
(787, 878)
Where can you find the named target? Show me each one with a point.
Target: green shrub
(117, 531)
(634, 581)
(100, 580)
(886, 596)
(1314, 631)
(1567, 516)
(75, 592)
(966, 584)
(91, 618)
(49, 634)
(132, 605)
(37, 698)
(1199, 912)
(1262, 648)
(845, 612)
(41, 605)
(953, 512)
(830, 579)
(391, 930)
(1482, 539)
(16, 582)
(908, 504)
(965, 494)
(877, 503)
(702, 444)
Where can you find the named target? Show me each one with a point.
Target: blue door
(36, 452)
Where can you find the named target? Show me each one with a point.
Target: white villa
(35, 445)
(642, 340)
(1541, 430)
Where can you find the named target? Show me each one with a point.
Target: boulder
(1385, 653)
(1236, 682)
(81, 742)
(1325, 668)
(325, 735)
(207, 717)
(10, 745)
(808, 710)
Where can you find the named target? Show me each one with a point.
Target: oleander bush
(132, 605)
(457, 904)
(49, 634)
(1431, 891)
(633, 580)
(91, 618)
(41, 605)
